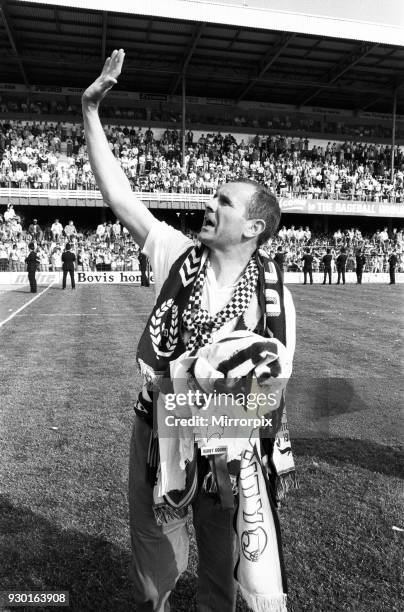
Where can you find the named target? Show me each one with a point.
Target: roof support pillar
(187, 58)
(183, 118)
(393, 134)
(104, 35)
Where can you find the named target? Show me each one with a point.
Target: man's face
(225, 218)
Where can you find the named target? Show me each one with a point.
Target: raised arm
(110, 177)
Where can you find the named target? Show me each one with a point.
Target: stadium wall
(194, 202)
(133, 278)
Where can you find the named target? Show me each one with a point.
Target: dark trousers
(341, 274)
(392, 272)
(160, 553)
(32, 281)
(144, 278)
(305, 273)
(359, 275)
(65, 273)
(327, 272)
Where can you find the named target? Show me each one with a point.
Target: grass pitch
(69, 381)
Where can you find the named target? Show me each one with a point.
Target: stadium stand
(42, 155)
(332, 158)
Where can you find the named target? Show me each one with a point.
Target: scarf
(162, 342)
(225, 428)
(198, 321)
(259, 570)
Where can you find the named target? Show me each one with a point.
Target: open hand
(107, 79)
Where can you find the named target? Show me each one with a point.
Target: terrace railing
(192, 198)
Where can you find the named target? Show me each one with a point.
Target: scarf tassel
(286, 482)
(153, 459)
(209, 484)
(164, 513)
(264, 603)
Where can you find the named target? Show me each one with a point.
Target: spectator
(9, 213)
(3, 257)
(116, 230)
(337, 237)
(70, 231)
(43, 260)
(56, 260)
(101, 230)
(14, 259)
(57, 230)
(35, 231)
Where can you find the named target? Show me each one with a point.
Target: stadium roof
(288, 63)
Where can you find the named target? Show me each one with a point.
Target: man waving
(203, 294)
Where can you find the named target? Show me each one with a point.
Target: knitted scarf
(162, 342)
(198, 321)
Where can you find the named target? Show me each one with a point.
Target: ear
(254, 227)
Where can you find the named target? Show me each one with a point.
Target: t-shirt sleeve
(163, 246)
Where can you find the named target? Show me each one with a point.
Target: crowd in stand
(376, 248)
(268, 120)
(31, 156)
(109, 246)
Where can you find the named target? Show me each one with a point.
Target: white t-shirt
(164, 245)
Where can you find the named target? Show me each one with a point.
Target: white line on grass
(25, 305)
(64, 314)
(83, 314)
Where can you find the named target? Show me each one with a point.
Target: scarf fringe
(286, 482)
(209, 484)
(164, 513)
(264, 603)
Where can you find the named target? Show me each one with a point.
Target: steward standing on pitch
(280, 260)
(327, 260)
(341, 265)
(204, 294)
(307, 266)
(360, 262)
(68, 260)
(392, 268)
(32, 262)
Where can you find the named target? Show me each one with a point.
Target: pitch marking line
(74, 314)
(83, 314)
(25, 305)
